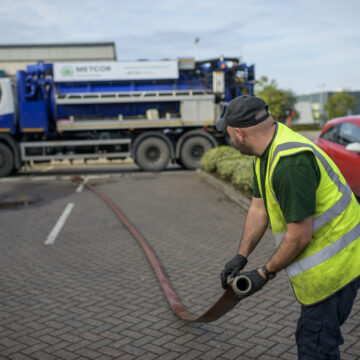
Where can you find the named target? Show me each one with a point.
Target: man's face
(240, 141)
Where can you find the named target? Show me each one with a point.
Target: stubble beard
(242, 147)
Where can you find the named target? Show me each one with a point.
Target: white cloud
(300, 43)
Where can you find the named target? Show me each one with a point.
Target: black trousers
(318, 333)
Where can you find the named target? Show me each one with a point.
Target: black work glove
(257, 281)
(232, 267)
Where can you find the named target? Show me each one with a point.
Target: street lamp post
(196, 42)
(322, 103)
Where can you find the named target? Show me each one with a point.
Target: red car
(340, 139)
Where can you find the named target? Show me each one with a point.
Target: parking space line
(10, 179)
(81, 186)
(42, 178)
(60, 223)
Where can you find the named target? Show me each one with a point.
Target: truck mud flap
(225, 303)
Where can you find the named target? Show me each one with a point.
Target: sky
(306, 46)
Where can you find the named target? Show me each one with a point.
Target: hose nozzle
(241, 285)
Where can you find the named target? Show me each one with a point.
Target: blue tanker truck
(155, 112)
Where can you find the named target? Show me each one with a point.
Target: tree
(278, 100)
(339, 104)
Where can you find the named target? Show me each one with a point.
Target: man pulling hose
(315, 219)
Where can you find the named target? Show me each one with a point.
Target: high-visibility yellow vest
(331, 260)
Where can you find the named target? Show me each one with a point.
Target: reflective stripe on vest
(324, 254)
(338, 207)
(323, 219)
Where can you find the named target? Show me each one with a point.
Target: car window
(349, 133)
(331, 134)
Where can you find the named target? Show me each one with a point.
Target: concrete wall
(304, 108)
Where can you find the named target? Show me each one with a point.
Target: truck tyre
(6, 160)
(152, 154)
(193, 150)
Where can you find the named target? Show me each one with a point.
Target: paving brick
(32, 349)
(193, 354)
(267, 357)
(67, 355)
(13, 350)
(133, 350)
(108, 350)
(169, 356)
(104, 357)
(99, 344)
(126, 357)
(147, 356)
(234, 353)
(278, 350)
(158, 350)
(184, 338)
(40, 355)
(179, 348)
(88, 354)
(164, 340)
(255, 352)
(211, 354)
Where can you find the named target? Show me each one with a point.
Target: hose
(225, 303)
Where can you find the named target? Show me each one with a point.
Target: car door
(333, 142)
(348, 161)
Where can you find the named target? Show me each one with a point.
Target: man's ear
(240, 133)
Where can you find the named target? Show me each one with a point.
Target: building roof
(41, 45)
(58, 52)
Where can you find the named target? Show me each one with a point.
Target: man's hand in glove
(232, 267)
(257, 280)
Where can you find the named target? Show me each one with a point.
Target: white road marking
(42, 178)
(60, 223)
(81, 186)
(10, 179)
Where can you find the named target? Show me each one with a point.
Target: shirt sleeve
(295, 181)
(256, 191)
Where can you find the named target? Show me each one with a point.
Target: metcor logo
(67, 71)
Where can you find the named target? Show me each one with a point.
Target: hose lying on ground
(225, 303)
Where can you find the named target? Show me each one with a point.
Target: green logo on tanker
(67, 71)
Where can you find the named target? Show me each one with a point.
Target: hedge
(230, 165)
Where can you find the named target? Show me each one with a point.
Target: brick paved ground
(92, 295)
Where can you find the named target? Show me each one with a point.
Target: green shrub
(214, 156)
(243, 176)
(230, 165)
(305, 127)
(226, 167)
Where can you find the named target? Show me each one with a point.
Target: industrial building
(311, 107)
(17, 57)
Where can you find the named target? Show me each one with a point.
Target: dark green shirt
(295, 181)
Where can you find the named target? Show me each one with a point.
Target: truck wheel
(152, 154)
(6, 160)
(193, 150)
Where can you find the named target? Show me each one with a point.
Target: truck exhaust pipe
(241, 285)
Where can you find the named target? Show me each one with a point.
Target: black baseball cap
(244, 111)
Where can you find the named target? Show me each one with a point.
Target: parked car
(340, 139)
